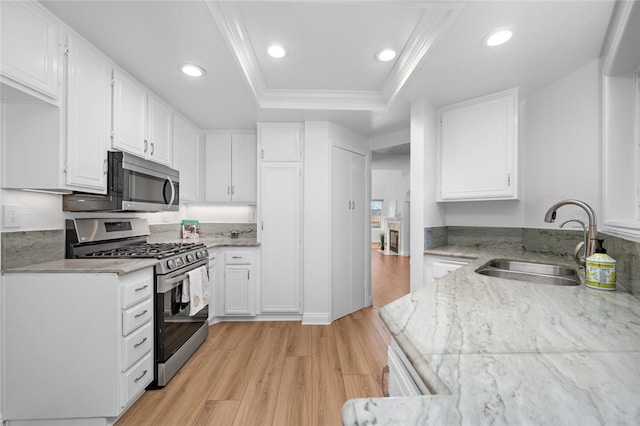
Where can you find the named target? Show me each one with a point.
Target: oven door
(174, 325)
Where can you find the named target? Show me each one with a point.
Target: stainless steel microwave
(133, 184)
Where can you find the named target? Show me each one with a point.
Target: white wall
(319, 137)
(560, 156)
(424, 210)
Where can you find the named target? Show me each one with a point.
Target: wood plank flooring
(279, 373)
(389, 277)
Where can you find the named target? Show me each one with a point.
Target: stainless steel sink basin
(534, 272)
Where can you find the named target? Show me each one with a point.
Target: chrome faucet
(591, 235)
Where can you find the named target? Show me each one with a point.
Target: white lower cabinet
(78, 347)
(439, 266)
(239, 283)
(403, 379)
(213, 280)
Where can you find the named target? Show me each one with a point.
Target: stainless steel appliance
(177, 334)
(133, 184)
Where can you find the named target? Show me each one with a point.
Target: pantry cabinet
(280, 142)
(187, 158)
(230, 173)
(141, 122)
(29, 42)
(349, 209)
(477, 149)
(88, 362)
(280, 217)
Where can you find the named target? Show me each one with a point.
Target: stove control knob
(205, 253)
(190, 258)
(198, 255)
(179, 261)
(171, 264)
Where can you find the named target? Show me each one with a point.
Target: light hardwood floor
(389, 277)
(275, 373)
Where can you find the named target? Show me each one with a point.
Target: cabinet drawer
(238, 258)
(136, 345)
(137, 290)
(135, 317)
(136, 379)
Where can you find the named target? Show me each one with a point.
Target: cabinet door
(280, 236)
(243, 168)
(88, 114)
(238, 290)
(186, 158)
(129, 115)
(29, 46)
(159, 132)
(218, 168)
(213, 271)
(478, 149)
(280, 142)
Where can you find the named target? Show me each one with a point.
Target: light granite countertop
(505, 352)
(122, 266)
(86, 266)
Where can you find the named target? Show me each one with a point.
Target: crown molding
(436, 18)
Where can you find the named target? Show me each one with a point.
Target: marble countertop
(499, 351)
(86, 266)
(122, 266)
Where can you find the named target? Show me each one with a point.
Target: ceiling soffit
(433, 20)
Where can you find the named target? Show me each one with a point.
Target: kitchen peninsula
(498, 351)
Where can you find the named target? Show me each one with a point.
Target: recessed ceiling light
(276, 51)
(498, 37)
(386, 55)
(192, 70)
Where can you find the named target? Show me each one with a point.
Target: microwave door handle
(173, 191)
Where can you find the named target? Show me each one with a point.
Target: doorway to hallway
(389, 277)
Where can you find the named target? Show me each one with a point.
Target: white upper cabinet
(186, 158)
(621, 126)
(141, 122)
(280, 141)
(129, 115)
(159, 131)
(477, 149)
(88, 115)
(231, 168)
(29, 45)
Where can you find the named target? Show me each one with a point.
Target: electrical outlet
(12, 215)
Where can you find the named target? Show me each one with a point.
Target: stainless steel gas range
(178, 333)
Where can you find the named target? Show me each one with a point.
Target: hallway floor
(389, 277)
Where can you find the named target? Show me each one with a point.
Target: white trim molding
(435, 19)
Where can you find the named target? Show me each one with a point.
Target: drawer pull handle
(144, 373)
(141, 288)
(141, 342)
(140, 314)
(236, 257)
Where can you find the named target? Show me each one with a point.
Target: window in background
(376, 213)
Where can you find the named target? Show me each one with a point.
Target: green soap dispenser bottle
(600, 270)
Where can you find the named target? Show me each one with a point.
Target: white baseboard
(316, 318)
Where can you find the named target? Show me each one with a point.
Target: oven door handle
(164, 285)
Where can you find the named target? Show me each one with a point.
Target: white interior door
(358, 248)
(340, 241)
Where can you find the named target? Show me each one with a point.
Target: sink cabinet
(87, 353)
(477, 149)
(439, 266)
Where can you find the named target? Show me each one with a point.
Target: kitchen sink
(534, 272)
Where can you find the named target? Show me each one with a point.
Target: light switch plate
(12, 216)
